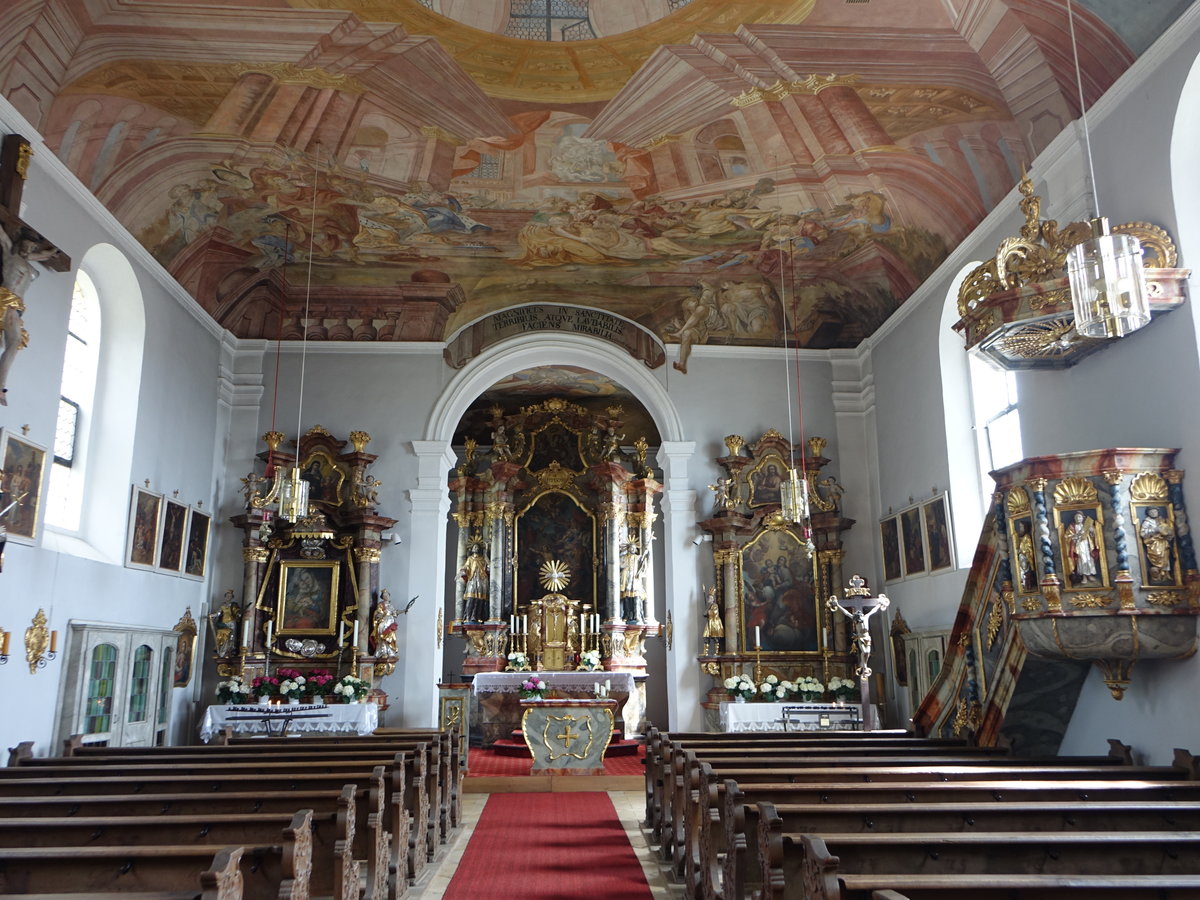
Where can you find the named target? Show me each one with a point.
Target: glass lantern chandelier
(1107, 278)
(793, 492)
(288, 496)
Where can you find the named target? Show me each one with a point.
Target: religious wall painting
(889, 542)
(142, 544)
(23, 483)
(555, 443)
(325, 477)
(939, 541)
(185, 649)
(554, 526)
(766, 481)
(308, 596)
(172, 535)
(779, 603)
(912, 541)
(195, 559)
(1157, 548)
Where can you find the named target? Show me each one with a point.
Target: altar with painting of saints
(555, 566)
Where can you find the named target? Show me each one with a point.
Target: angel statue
(724, 495)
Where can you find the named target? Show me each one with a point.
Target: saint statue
(1026, 573)
(714, 625)
(1157, 537)
(475, 577)
(384, 626)
(633, 564)
(1084, 550)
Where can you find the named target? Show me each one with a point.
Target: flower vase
(293, 701)
(739, 699)
(264, 701)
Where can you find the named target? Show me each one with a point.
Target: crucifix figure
(20, 247)
(855, 608)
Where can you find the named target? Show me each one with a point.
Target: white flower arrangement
(842, 688)
(589, 660)
(235, 690)
(351, 688)
(740, 686)
(292, 688)
(517, 662)
(809, 688)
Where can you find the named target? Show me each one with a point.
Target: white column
(420, 656)
(681, 582)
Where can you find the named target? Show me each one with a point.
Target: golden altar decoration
(1016, 307)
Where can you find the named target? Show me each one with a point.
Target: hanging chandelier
(793, 492)
(1106, 273)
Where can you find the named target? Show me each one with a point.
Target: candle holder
(858, 609)
(757, 674)
(5, 637)
(41, 644)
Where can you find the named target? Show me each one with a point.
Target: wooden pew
(406, 792)
(361, 808)
(835, 866)
(278, 871)
(1030, 887)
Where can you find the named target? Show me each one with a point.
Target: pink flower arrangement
(264, 686)
(533, 688)
(319, 683)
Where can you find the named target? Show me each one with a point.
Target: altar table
(309, 718)
(500, 712)
(567, 737)
(798, 717)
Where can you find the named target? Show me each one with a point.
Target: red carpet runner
(560, 846)
(484, 763)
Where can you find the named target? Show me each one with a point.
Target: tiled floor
(630, 807)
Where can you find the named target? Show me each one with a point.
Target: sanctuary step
(515, 746)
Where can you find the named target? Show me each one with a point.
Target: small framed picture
(889, 539)
(23, 464)
(914, 541)
(185, 649)
(170, 542)
(144, 510)
(936, 513)
(308, 593)
(195, 553)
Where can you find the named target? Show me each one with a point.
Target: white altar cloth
(342, 718)
(510, 682)
(801, 716)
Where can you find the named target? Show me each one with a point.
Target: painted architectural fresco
(709, 204)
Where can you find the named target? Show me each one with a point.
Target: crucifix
(20, 246)
(855, 608)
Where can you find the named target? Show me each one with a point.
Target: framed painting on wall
(766, 481)
(23, 464)
(195, 556)
(142, 550)
(913, 541)
(325, 477)
(936, 515)
(889, 541)
(308, 593)
(779, 603)
(170, 542)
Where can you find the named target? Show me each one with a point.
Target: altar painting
(778, 594)
(766, 481)
(555, 527)
(325, 477)
(308, 593)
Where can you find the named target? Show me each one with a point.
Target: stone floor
(630, 807)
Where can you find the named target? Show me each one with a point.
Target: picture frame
(778, 594)
(912, 533)
(939, 536)
(23, 464)
(172, 532)
(889, 542)
(185, 649)
(145, 507)
(195, 552)
(308, 595)
(325, 477)
(765, 481)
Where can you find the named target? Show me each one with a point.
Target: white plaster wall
(1139, 392)
(173, 448)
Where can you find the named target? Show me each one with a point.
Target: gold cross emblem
(567, 736)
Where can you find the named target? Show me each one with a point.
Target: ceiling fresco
(714, 172)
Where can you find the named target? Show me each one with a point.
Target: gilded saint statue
(474, 575)
(384, 626)
(714, 624)
(1157, 536)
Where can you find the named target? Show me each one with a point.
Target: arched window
(997, 419)
(77, 394)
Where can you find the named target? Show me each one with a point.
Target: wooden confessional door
(117, 686)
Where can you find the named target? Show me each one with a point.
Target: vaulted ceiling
(709, 171)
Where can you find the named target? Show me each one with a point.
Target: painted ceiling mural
(714, 172)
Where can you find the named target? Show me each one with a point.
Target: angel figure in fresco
(700, 313)
(1157, 537)
(1084, 550)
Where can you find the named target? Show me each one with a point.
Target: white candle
(596, 623)
(355, 632)
(607, 685)
(342, 633)
(582, 627)
(270, 626)
(246, 632)
(758, 636)
(525, 624)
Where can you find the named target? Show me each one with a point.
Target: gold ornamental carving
(1091, 601)
(723, 557)
(359, 439)
(1174, 476)
(1074, 491)
(24, 155)
(255, 554)
(367, 554)
(438, 628)
(1148, 486)
(318, 430)
(1169, 599)
(734, 444)
(555, 476)
(817, 445)
(1038, 484)
(1158, 250)
(37, 638)
(1031, 604)
(1040, 339)
(967, 717)
(1016, 503)
(273, 439)
(995, 620)
(711, 668)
